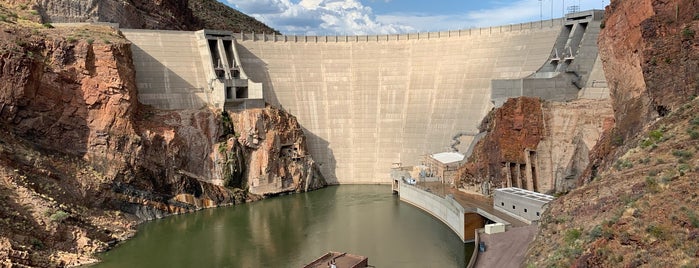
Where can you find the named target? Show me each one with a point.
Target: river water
(293, 230)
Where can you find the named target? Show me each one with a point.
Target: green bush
(693, 134)
(59, 216)
(656, 135)
(596, 232)
(652, 184)
(90, 41)
(687, 33)
(572, 235)
(682, 154)
(655, 231)
(695, 121)
(48, 25)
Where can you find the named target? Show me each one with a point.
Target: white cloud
(318, 17)
(330, 17)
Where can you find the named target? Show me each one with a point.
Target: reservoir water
(292, 230)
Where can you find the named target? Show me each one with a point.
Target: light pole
(541, 11)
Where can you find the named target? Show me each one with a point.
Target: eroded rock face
(147, 14)
(541, 146)
(275, 151)
(502, 158)
(81, 161)
(649, 53)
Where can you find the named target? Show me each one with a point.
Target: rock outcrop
(81, 161)
(537, 145)
(649, 54)
(189, 15)
(634, 206)
(274, 149)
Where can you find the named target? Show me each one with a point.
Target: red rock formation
(500, 157)
(78, 149)
(275, 152)
(649, 51)
(544, 144)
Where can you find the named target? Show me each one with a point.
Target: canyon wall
(633, 204)
(649, 55)
(77, 150)
(163, 15)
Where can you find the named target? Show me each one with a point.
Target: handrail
(262, 37)
(474, 255)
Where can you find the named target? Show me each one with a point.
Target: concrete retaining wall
(446, 210)
(367, 102)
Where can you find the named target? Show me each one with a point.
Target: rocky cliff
(190, 15)
(81, 160)
(635, 206)
(537, 145)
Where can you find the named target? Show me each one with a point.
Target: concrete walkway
(506, 249)
(470, 201)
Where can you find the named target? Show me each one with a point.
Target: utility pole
(541, 11)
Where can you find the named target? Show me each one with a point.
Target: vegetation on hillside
(641, 212)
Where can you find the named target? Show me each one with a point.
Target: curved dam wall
(367, 102)
(446, 210)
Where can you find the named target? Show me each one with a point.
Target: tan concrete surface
(169, 69)
(369, 101)
(506, 250)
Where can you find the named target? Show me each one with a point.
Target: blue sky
(358, 17)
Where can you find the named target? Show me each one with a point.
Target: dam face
(370, 102)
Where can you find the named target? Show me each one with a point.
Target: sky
(361, 17)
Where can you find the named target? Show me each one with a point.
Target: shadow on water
(290, 231)
(257, 71)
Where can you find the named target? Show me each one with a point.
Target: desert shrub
(59, 216)
(682, 154)
(693, 134)
(572, 235)
(652, 184)
(695, 121)
(623, 164)
(596, 232)
(656, 231)
(688, 33)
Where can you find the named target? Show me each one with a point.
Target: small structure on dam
(520, 203)
(444, 165)
(190, 70)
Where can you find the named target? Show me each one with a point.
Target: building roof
(543, 198)
(448, 157)
(341, 260)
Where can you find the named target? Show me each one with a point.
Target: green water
(292, 230)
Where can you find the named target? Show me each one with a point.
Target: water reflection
(290, 231)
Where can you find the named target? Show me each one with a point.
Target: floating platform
(340, 260)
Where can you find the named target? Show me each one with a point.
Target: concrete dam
(368, 103)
